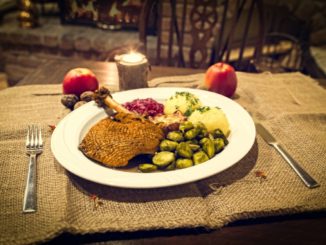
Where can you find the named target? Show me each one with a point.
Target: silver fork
(34, 147)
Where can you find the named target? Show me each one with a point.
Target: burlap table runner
(292, 106)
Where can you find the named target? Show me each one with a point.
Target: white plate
(70, 131)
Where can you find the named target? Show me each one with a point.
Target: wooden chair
(241, 42)
(281, 53)
(198, 33)
(285, 42)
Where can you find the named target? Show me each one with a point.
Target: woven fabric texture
(291, 106)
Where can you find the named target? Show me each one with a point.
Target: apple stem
(219, 65)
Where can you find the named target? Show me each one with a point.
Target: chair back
(199, 33)
(241, 42)
(281, 53)
(285, 41)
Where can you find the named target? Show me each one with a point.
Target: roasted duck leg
(115, 140)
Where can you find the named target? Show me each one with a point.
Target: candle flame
(132, 57)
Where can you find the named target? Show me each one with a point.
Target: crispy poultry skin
(114, 142)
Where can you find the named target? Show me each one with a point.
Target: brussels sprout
(203, 140)
(219, 144)
(200, 157)
(209, 148)
(185, 126)
(147, 167)
(171, 166)
(211, 137)
(194, 147)
(192, 142)
(184, 150)
(163, 158)
(192, 133)
(183, 163)
(175, 136)
(203, 133)
(168, 145)
(200, 125)
(226, 142)
(219, 134)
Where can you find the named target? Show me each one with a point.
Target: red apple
(221, 78)
(79, 80)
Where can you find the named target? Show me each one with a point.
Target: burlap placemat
(292, 106)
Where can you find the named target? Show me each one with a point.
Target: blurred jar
(28, 14)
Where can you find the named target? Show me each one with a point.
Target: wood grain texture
(54, 71)
(298, 229)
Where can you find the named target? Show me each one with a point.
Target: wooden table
(106, 72)
(296, 229)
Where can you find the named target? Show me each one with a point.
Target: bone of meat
(104, 98)
(114, 141)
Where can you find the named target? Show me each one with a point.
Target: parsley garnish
(203, 109)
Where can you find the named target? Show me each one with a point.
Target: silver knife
(304, 176)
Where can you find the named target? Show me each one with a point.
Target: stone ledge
(65, 39)
(23, 50)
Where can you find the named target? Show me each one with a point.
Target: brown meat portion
(115, 142)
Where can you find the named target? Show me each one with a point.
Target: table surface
(53, 72)
(308, 228)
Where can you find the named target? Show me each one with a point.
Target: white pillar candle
(132, 58)
(132, 70)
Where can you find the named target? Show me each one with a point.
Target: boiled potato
(212, 117)
(184, 102)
